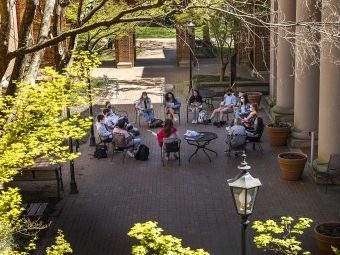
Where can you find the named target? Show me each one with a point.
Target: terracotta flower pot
(292, 167)
(254, 97)
(278, 135)
(325, 242)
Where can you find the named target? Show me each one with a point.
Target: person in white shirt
(143, 103)
(226, 106)
(105, 134)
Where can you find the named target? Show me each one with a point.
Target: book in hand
(170, 105)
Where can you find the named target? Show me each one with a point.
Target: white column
(273, 52)
(329, 121)
(306, 93)
(285, 65)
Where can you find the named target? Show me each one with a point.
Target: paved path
(191, 201)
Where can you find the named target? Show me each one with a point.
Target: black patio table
(206, 95)
(201, 142)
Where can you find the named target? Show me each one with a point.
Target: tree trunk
(43, 35)
(4, 36)
(206, 35)
(23, 41)
(223, 67)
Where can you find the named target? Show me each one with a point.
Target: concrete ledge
(121, 65)
(241, 86)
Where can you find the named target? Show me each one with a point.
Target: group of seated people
(246, 121)
(109, 123)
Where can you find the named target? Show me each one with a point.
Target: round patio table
(201, 142)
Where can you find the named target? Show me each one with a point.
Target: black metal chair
(333, 169)
(111, 83)
(120, 145)
(171, 145)
(257, 140)
(236, 143)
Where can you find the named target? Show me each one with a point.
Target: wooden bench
(36, 211)
(42, 170)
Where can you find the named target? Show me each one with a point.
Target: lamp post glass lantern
(244, 189)
(190, 28)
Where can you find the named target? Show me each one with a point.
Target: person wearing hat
(121, 128)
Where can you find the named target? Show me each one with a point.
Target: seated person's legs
(135, 142)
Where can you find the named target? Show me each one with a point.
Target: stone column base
(269, 104)
(121, 65)
(311, 167)
(185, 63)
(300, 139)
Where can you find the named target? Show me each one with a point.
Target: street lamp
(190, 28)
(92, 137)
(244, 189)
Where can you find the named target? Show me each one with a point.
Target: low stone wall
(240, 86)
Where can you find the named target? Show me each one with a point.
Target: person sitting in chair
(145, 106)
(240, 134)
(249, 121)
(121, 128)
(226, 106)
(168, 131)
(104, 133)
(253, 135)
(243, 110)
(195, 104)
(172, 105)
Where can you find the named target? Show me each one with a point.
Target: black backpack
(101, 151)
(156, 123)
(142, 152)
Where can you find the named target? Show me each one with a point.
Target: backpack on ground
(142, 152)
(101, 151)
(156, 123)
(202, 116)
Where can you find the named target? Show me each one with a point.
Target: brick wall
(125, 49)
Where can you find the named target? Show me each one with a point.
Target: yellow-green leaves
(280, 238)
(61, 246)
(151, 238)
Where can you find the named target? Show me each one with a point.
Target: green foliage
(336, 250)
(61, 246)
(32, 127)
(280, 238)
(213, 78)
(278, 124)
(152, 240)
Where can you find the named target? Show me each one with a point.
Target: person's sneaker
(224, 122)
(227, 152)
(175, 119)
(209, 120)
(131, 154)
(167, 158)
(194, 121)
(219, 124)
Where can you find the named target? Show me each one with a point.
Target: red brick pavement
(192, 201)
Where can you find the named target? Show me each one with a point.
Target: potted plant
(327, 235)
(278, 133)
(292, 165)
(254, 97)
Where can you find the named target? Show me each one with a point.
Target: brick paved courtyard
(192, 201)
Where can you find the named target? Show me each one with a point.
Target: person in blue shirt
(226, 106)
